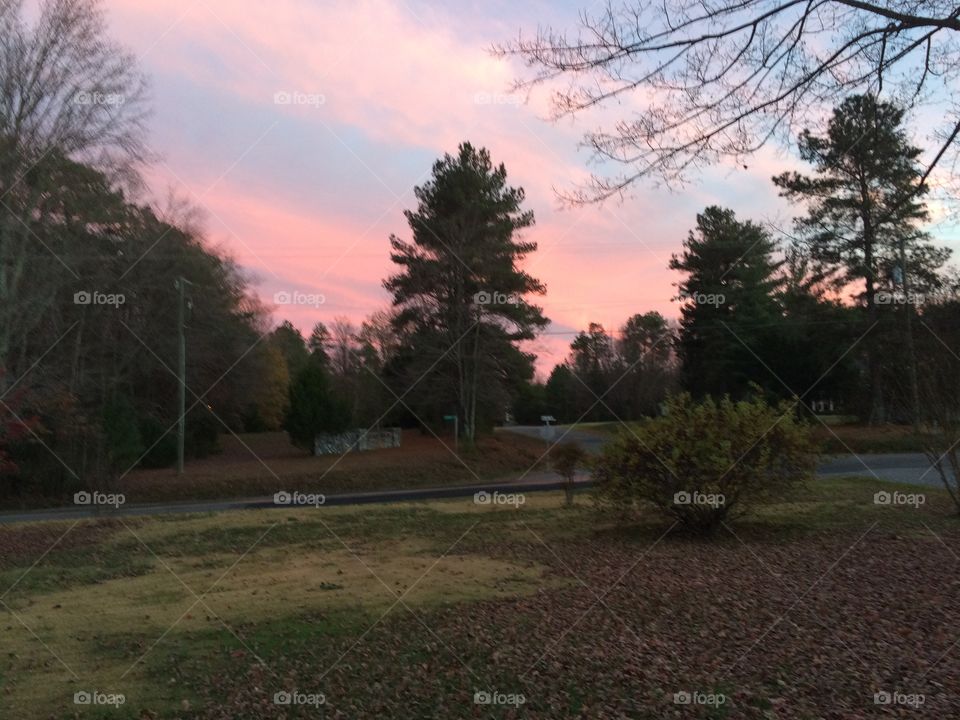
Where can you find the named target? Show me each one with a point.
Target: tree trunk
(471, 422)
(908, 343)
(877, 415)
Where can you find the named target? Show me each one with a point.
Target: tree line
(829, 311)
(845, 307)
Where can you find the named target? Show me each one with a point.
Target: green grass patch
(79, 566)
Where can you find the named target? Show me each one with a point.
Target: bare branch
(705, 82)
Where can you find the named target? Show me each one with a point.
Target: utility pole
(181, 377)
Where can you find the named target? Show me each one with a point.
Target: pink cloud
(412, 84)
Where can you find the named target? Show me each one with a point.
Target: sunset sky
(305, 194)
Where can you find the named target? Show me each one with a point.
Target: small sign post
(546, 432)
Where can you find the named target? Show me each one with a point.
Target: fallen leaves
(810, 628)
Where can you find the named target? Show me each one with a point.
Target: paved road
(591, 440)
(911, 468)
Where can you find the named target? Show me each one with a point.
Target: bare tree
(68, 94)
(709, 80)
(378, 334)
(65, 85)
(342, 346)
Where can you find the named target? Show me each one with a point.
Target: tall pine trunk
(877, 415)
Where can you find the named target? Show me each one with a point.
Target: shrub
(702, 463)
(57, 423)
(564, 459)
(314, 407)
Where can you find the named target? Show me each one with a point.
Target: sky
(301, 128)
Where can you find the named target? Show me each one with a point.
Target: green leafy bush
(704, 462)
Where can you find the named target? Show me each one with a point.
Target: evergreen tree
(864, 205)
(315, 406)
(729, 307)
(460, 292)
(319, 342)
(646, 352)
(561, 393)
(594, 362)
(816, 333)
(288, 340)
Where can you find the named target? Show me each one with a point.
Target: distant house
(823, 407)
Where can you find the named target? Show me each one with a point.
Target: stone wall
(330, 444)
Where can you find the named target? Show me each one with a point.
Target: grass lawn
(805, 609)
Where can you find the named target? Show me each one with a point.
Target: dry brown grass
(252, 465)
(99, 630)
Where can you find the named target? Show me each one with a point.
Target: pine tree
(315, 406)
(864, 203)
(461, 291)
(729, 305)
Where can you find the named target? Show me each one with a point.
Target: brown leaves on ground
(811, 628)
(22, 543)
